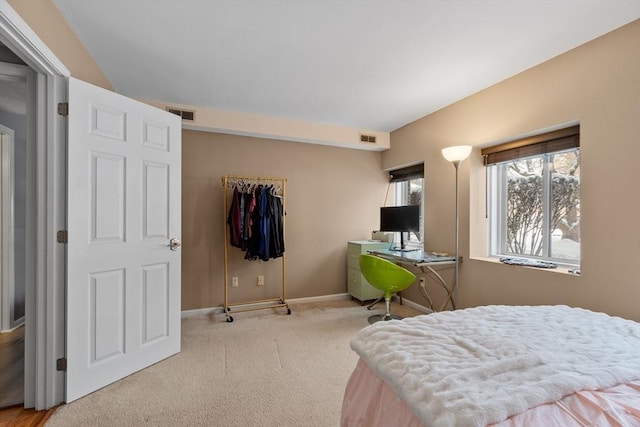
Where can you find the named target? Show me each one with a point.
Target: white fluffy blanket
(481, 365)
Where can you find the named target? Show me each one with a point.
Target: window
(407, 191)
(534, 197)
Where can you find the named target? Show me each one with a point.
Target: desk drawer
(354, 249)
(353, 260)
(359, 288)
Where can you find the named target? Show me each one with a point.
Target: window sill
(562, 269)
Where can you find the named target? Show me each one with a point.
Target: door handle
(174, 244)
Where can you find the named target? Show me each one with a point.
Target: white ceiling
(376, 65)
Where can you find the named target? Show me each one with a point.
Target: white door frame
(7, 284)
(46, 201)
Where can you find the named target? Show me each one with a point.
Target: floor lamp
(456, 155)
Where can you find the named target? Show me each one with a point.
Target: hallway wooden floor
(12, 367)
(12, 413)
(17, 416)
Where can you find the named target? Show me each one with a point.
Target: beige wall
(47, 22)
(332, 196)
(334, 193)
(597, 84)
(281, 128)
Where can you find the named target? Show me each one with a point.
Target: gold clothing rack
(275, 302)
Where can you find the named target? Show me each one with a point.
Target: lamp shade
(456, 153)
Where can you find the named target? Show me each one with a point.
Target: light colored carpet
(263, 369)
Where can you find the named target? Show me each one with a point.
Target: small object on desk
(381, 236)
(439, 253)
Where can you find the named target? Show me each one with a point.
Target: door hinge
(62, 236)
(61, 364)
(63, 108)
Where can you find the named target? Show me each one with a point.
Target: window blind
(407, 173)
(549, 142)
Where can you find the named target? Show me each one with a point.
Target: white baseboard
(202, 312)
(334, 297)
(220, 310)
(17, 324)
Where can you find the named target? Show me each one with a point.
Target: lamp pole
(456, 155)
(456, 164)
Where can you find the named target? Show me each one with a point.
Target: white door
(123, 277)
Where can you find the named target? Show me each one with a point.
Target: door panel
(108, 198)
(155, 197)
(106, 315)
(155, 308)
(123, 288)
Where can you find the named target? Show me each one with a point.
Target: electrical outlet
(260, 280)
(234, 282)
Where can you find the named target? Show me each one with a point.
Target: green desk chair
(386, 276)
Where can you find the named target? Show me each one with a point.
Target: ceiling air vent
(368, 138)
(185, 114)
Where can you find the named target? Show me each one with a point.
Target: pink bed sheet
(369, 401)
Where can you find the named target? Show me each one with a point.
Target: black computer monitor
(400, 219)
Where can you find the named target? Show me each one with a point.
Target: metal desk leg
(441, 282)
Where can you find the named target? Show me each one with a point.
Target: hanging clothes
(276, 248)
(253, 246)
(233, 219)
(265, 218)
(248, 206)
(255, 220)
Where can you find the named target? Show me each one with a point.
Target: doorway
(13, 227)
(46, 353)
(45, 210)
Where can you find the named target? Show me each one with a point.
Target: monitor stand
(402, 247)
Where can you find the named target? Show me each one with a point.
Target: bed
(506, 366)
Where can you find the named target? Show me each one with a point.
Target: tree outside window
(540, 212)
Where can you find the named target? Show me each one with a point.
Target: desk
(427, 262)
